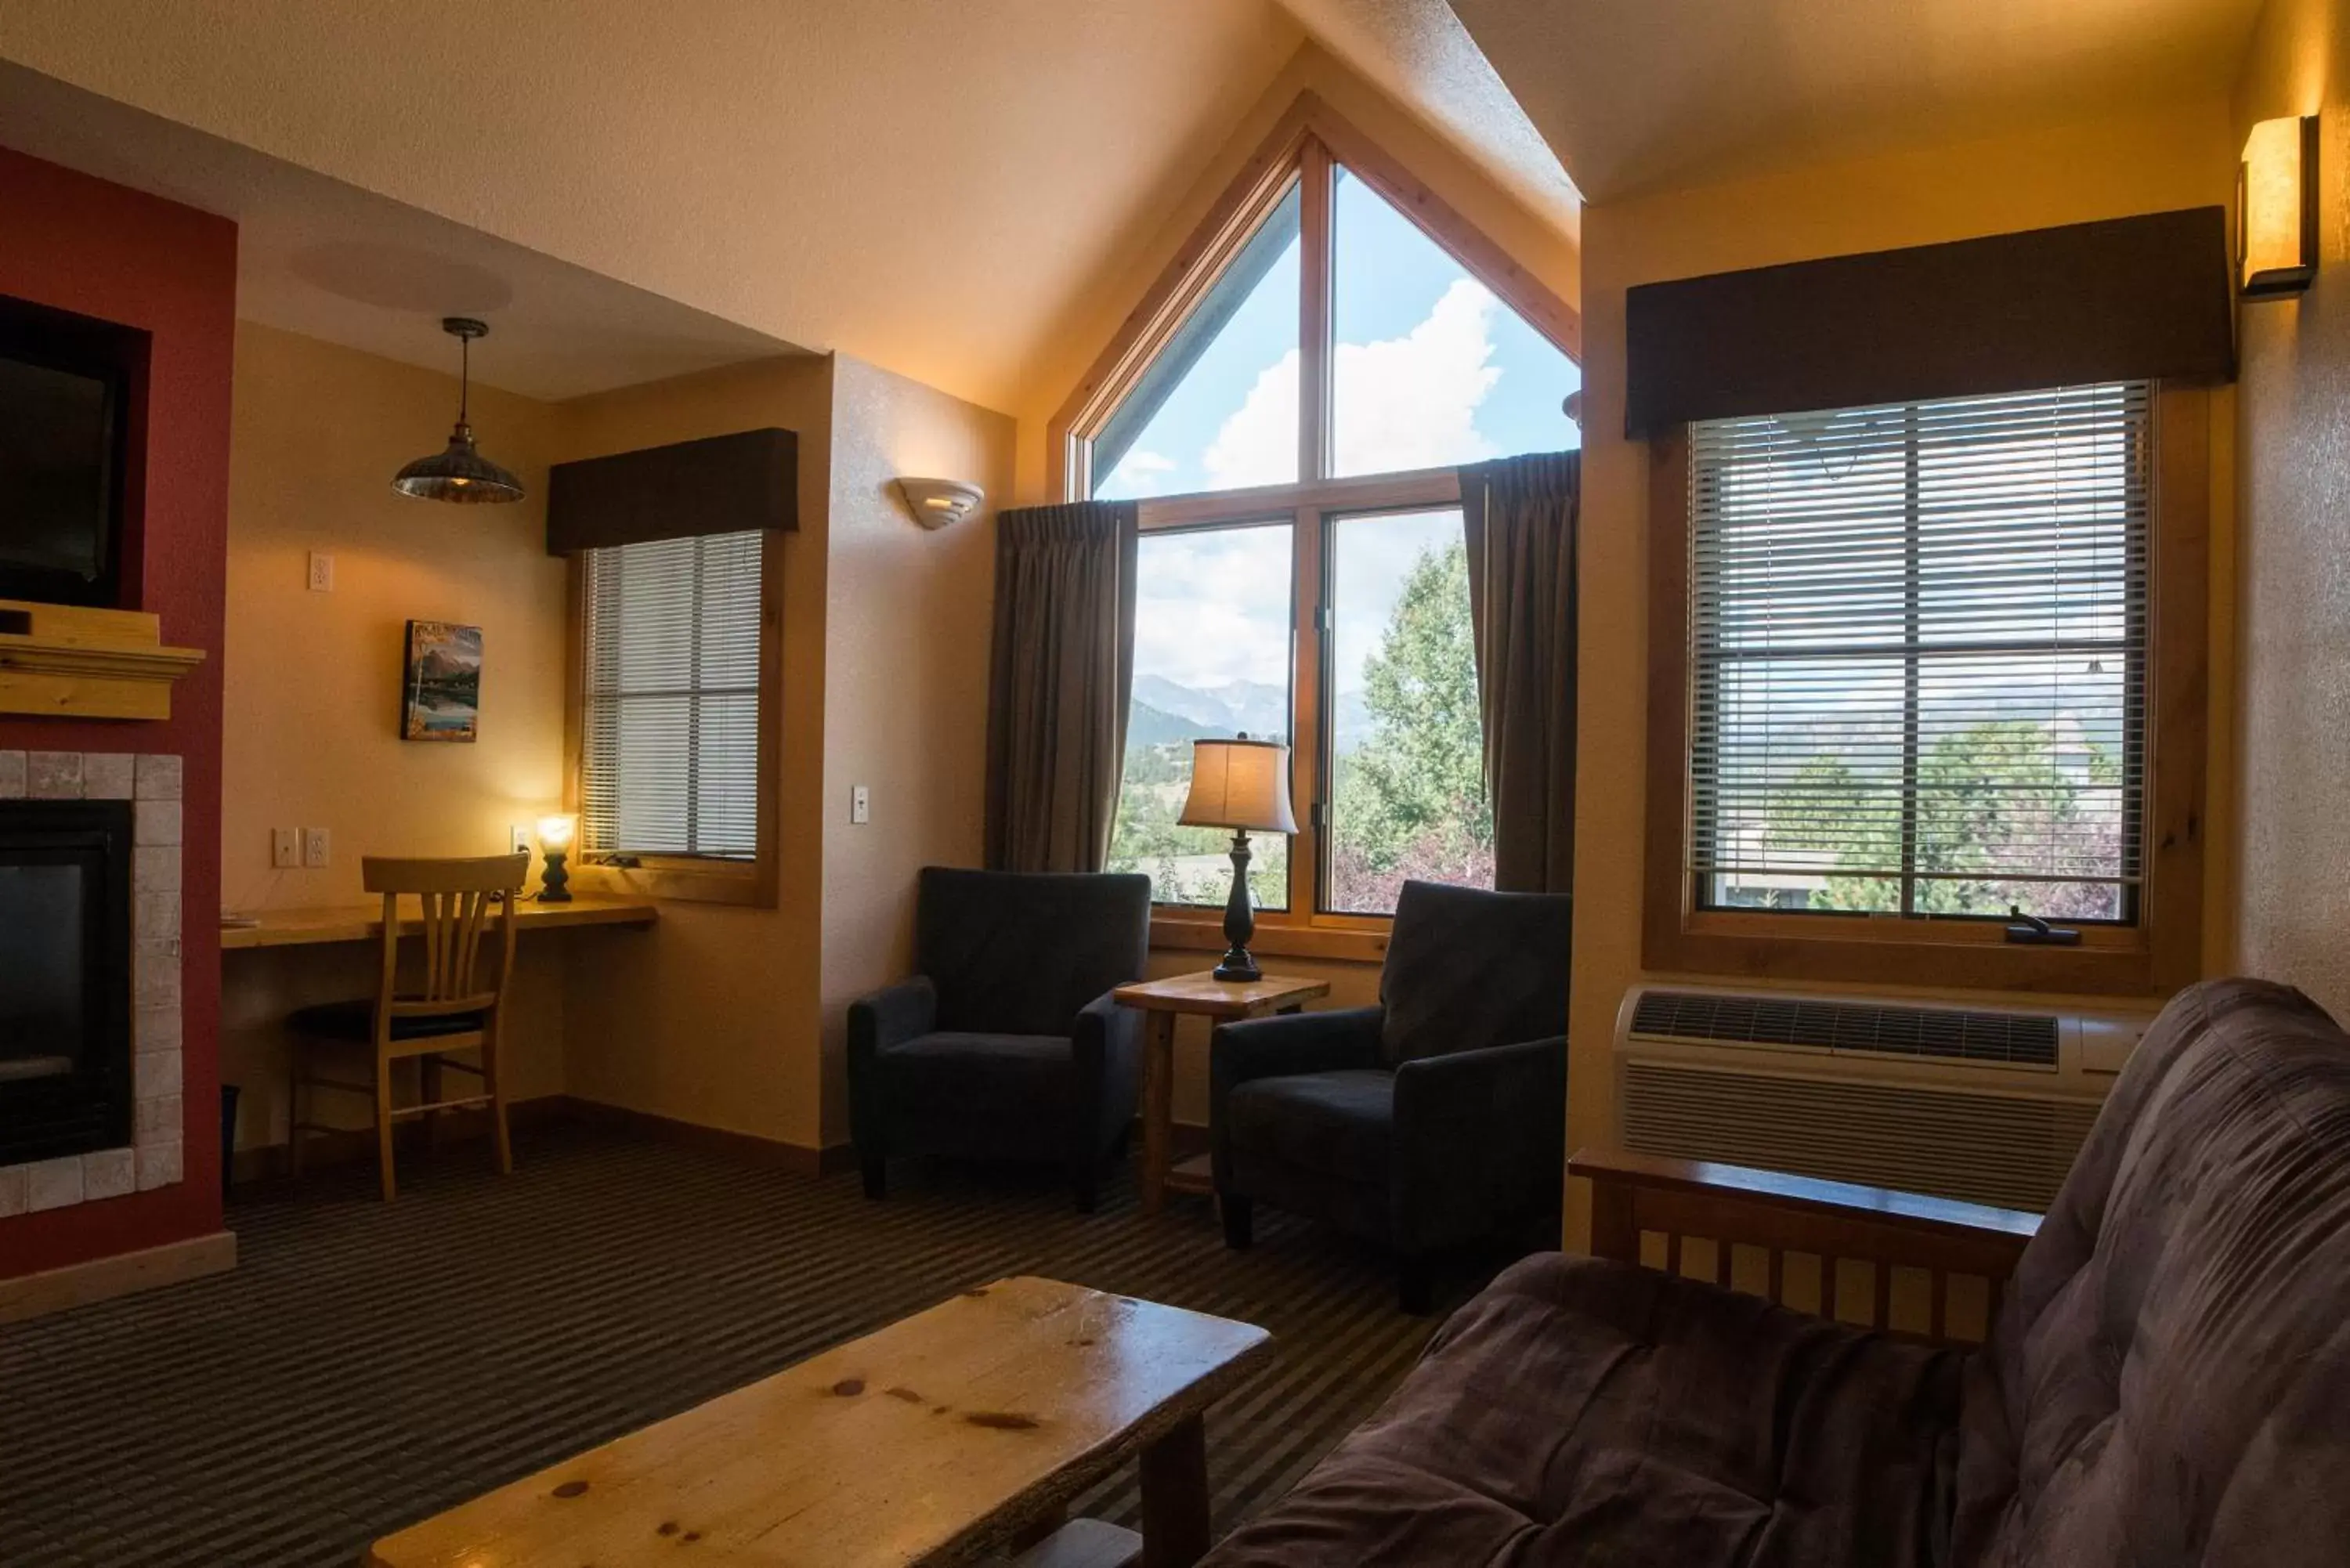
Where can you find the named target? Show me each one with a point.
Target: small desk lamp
(1242, 784)
(554, 837)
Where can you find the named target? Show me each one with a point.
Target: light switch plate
(519, 839)
(285, 849)
(860, 804)
(322, 572)
(314, 848)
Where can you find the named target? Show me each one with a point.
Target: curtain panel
(1520, 515)
(1062, 671)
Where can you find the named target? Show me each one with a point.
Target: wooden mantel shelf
(364, 922)
(69, 662)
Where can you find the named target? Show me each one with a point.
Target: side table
(1203, 995)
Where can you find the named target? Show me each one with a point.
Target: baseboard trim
(102, 1279)
(322, 1151)
(799, 1158)
(272, 1162)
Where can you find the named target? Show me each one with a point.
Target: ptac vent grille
(2010, 1151)
(2018, 1039)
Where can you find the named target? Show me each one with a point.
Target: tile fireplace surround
(154, 1157)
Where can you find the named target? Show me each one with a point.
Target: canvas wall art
(440, 694)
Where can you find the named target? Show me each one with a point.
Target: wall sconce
(2276, 208)
(938, 503)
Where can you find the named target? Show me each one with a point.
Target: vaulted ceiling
(1636, 97)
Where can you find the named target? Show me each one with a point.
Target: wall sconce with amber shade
(2276, 208)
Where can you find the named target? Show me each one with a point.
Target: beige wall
(908, 619)
(312, 678)
(713, 1021)
(2293, 403)
(2140, 163)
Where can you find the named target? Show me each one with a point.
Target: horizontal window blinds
(670, 763)
(1917, 656)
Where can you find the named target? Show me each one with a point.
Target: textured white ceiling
(922, 183)
(1640, 95)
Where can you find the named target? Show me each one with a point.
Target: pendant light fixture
(459, 472)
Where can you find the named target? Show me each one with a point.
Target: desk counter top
(364, 922)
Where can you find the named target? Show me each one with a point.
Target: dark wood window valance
(2140, 299)
(720, 485)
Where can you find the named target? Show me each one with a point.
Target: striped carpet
(366, 1365)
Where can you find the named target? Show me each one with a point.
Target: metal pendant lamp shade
(459, 472)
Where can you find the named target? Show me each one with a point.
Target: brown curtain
(1520, 515)
(1057, 688)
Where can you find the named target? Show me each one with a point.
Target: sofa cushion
(1585, 1412)
(1341, 1124)
(2169, 1380)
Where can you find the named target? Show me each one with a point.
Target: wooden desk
(931, 1443)
(364, 922)
(1203, 995)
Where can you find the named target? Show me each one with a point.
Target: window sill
(1968, 956)
(1338, 944)
(749, 884)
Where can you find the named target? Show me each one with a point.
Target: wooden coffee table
(1164, 1001)
(935, 1441)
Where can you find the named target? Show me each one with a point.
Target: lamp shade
(1240, 784)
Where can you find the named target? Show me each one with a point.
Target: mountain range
(1166, 712)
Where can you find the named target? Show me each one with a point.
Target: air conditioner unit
(1989, 1104)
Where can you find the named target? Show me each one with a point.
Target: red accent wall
(104, 249)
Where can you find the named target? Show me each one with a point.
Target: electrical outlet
(322, 572)
(314, 848)
(285, 849)
(860, 804)
(519, 839)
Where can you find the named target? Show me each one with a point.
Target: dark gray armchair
(1436, 1119)
(1005, 1044)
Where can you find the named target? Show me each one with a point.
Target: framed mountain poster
(441, 691)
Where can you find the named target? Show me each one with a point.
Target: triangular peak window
(1317, 330)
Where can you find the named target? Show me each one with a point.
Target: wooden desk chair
(451, 1012)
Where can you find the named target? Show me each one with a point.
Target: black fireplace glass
(65, 977)
(42, 926)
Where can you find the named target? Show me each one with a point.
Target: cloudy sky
(1429, 369)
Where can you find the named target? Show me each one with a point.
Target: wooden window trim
(1304, 929)
(2158, 955)
(1306, 144)
(1305, 148)
(756, 883)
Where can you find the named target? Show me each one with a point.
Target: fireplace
(65, 977)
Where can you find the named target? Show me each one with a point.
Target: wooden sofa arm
(1733, 1204)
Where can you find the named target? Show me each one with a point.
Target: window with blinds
(670, 699)
(1917, 656)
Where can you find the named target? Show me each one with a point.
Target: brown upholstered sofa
(2167, 1382)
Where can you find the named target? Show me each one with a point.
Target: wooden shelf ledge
(71, 662)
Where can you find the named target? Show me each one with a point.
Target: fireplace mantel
(67, 662)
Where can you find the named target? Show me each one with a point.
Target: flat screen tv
(62, 383)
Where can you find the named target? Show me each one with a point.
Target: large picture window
(1916, 667)
(1918, 645)
(1290, 411)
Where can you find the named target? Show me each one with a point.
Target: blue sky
(1430, 370)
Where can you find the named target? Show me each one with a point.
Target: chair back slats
(456, 898)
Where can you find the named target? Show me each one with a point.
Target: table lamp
(554, 837)
(1242, 784)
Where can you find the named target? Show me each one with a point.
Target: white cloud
(1258, 443)
(1134, 474)
(1400, 403)
(1411, 401)
(1215, 607)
